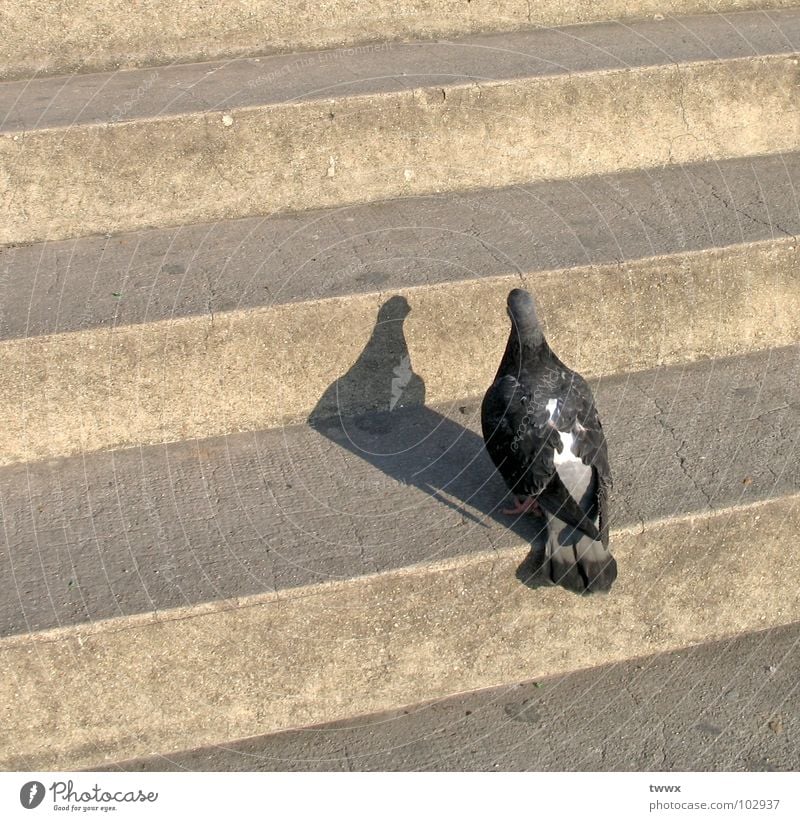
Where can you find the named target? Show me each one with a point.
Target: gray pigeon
(542, 432)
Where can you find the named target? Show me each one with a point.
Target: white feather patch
(567, 439)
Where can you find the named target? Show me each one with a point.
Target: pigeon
(543, 433)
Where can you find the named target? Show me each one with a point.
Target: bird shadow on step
(377, 411)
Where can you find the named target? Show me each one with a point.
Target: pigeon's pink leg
(524, 505)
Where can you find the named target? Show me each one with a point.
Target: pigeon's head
(522, 310)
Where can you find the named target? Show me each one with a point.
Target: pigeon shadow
(377, 411)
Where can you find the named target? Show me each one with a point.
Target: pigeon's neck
(523, 351)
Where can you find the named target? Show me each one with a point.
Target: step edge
(199, 114)
(126, 624)
(236, 314)
(19, 72)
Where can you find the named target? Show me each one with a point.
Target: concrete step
(215, 141)
(84, 696)
(100, 36)
(722, 706)
(190, 564)
(260, 315)
(385, 574)
(128, 532)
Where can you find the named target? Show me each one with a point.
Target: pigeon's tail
(576, 560)
(579, 563)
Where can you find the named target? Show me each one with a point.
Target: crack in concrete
(211, 294)
(672, 140)
(347, 758)
(505, 262)
(640, 216)
(682, 98)
(211, 153)
(759, 416)
(728, 204)
(662, 418)
(682, 462)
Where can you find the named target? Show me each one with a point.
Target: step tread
(117, 533)
(706, 708)
(172, 91)
(209, 268)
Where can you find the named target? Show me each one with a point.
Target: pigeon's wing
(577, 415)
(518, 439)
(521, 443)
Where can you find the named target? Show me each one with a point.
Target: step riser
(700, 708)
(41, 39)
(85, 696)
(62, 183)
(207, 376)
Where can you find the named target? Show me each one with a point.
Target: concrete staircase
(251, 292)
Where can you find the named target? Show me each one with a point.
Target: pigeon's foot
(527, 504)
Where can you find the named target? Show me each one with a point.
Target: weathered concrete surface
(81, 697)
(121, 533)
(209, 268)
(729, 705)
(66, 394)
(100, 35)
(114, 175)
(224, 86)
